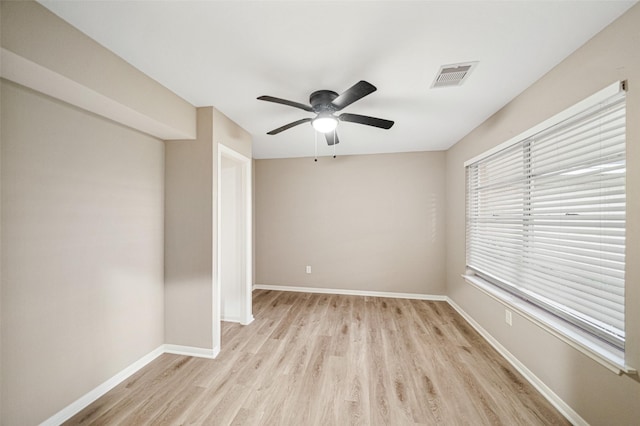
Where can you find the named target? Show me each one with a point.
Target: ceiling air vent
(453, 75)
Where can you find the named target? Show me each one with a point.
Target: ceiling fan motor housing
(320, 100)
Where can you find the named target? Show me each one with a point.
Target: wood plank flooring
(316, 359)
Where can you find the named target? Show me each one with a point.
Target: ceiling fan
(325, 103)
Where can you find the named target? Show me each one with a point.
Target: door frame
(246, 227)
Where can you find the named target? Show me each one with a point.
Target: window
(546, 217)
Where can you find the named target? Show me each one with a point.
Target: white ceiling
(227, 53)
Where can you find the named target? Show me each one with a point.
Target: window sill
(609, 357)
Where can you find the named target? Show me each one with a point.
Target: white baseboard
(91, 396)
(394, 295)
(551, 396)
(243, 321)
(80, 403)
(191, 351)
(247, 321)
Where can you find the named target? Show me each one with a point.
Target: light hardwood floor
(315, 359)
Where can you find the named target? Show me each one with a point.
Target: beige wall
(599, 396)
(82, 258)
(229, 134)
(370, 222)
(191, 179)
(190, 192)
(49, 55)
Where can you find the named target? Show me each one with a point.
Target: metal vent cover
(453, 75)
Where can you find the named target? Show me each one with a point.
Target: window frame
(608, 355)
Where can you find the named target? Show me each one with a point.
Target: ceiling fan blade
(352, 94)
(364, 119)
(285, 102)
(332, 138)
(288, 126)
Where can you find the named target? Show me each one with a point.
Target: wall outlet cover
(507, 317)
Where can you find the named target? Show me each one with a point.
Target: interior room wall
(368, 222)
(191, 179)
(231, 135)
(190, 191)
(598, 395)
(82, 257)
(83, 295)
(63, 62)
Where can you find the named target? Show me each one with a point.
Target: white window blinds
(546, 219)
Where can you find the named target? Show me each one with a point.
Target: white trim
(394, 295)
(75, 407)
(192, 351)
(215, 291)
(545, 390)
(243, 321)
(578, 339)
(247, 321)
(233, 154)
(246, 314)
(586, 103)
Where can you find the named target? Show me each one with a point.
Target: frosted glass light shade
(325, 124)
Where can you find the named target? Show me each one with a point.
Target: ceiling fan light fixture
(325, 123)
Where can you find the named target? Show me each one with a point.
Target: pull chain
(316, 151)
(334, 144)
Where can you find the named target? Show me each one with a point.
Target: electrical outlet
(308, 269)
(507, 317)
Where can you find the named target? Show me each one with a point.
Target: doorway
(234, 272)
